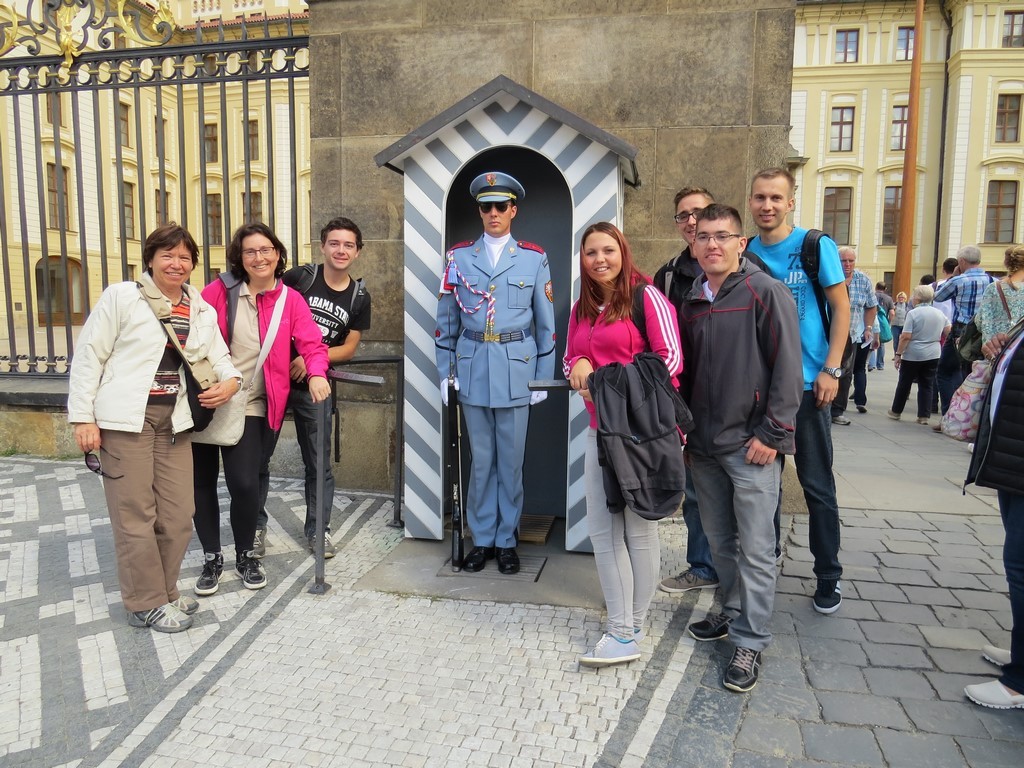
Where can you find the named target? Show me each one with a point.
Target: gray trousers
(626, 551)
(737, 508)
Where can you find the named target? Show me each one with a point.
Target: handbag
(884, 329)
(228, 422)
(969, 344)
(198, 376)
(962, 418)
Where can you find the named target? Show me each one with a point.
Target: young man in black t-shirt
(341, 307)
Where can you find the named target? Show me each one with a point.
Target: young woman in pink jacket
(256, 260)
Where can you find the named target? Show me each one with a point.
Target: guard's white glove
(444, 389)
(538, 397)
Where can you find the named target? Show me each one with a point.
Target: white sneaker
(994, 695)
(610, 651)
(998, 656)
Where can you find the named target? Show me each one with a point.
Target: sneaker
(163, 618)
(251, 571)
(186, 604)
(259, 543)
(862, 409)
(828, 597)
(328, 545)
(937, 427)
(714, 627)
(922, 421)
(639, 634)
(893, 415)
(686, 581)
(994, 695)
(841, 421)
(998, 656)
(610, 651)
(741, 674)
(209, 581)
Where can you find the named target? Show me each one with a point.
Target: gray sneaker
(259, 543)
(186, 605)
(610, 651)
(686, 581)
(163, 618)
(328, 545)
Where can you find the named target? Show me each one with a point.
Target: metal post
(320, 586)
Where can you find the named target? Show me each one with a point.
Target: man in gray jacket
(743, 381)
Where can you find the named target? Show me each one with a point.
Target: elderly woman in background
(899, 317)
(127, 400)
(1002, 304)
(917, 354)
(256, 261)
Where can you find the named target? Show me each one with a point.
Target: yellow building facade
(851, 76)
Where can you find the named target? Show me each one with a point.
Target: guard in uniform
(495, 332)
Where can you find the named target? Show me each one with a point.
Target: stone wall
(701, 89)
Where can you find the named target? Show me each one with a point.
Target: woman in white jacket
(127, 400)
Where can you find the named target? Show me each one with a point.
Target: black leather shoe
(508, 561)
(476, 558)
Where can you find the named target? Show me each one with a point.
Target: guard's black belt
(500, 338)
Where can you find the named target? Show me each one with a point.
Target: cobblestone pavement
(363, 678)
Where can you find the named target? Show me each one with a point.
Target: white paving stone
(21, 682)
(102, 678)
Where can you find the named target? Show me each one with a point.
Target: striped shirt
(965, 290)
(166, 382)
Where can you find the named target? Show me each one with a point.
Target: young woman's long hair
(620, 304)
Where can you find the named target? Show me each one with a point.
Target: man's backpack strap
(810, 261)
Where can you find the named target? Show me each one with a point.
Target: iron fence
(208, 128)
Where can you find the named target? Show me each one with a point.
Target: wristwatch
(835, 373)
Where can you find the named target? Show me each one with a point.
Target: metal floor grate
(530, 567)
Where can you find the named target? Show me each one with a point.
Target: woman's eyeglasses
(251, 253)
(92, 461)
(502, 206)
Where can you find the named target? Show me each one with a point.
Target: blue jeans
(814, 471)
(878, 359)
(698, 551)
(737, 507)
(307, 414)
(1011, 507)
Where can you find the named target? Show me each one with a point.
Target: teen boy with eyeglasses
(495, 332)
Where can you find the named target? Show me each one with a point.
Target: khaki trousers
(150, 506)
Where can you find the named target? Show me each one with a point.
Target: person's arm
(779, 343)
(825, 385)
(947, 290)
(663, 329)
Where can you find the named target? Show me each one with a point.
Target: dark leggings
(922, 372)
(242, 464)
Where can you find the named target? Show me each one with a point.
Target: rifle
(453, 472)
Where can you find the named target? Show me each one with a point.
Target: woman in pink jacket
(601, 331)
(256, 261)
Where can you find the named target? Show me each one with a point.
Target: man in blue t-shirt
(779, 243)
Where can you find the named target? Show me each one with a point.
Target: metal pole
(320, 586)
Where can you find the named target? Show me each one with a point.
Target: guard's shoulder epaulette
(464, 244)
(530, 246)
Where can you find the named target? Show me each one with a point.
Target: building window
(898, 134)
(253, 132)
(1001, 212)
(841, 139)
(210, 142)
(163, 206)
(891, 215)
(128, 192)
(835, 218)
(904, 43)
(252, 206)
(1013, 29)
(847, 43)
(124, 124)
(58, 201)
(55, 109)
(1008, 118)
(214, 220)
